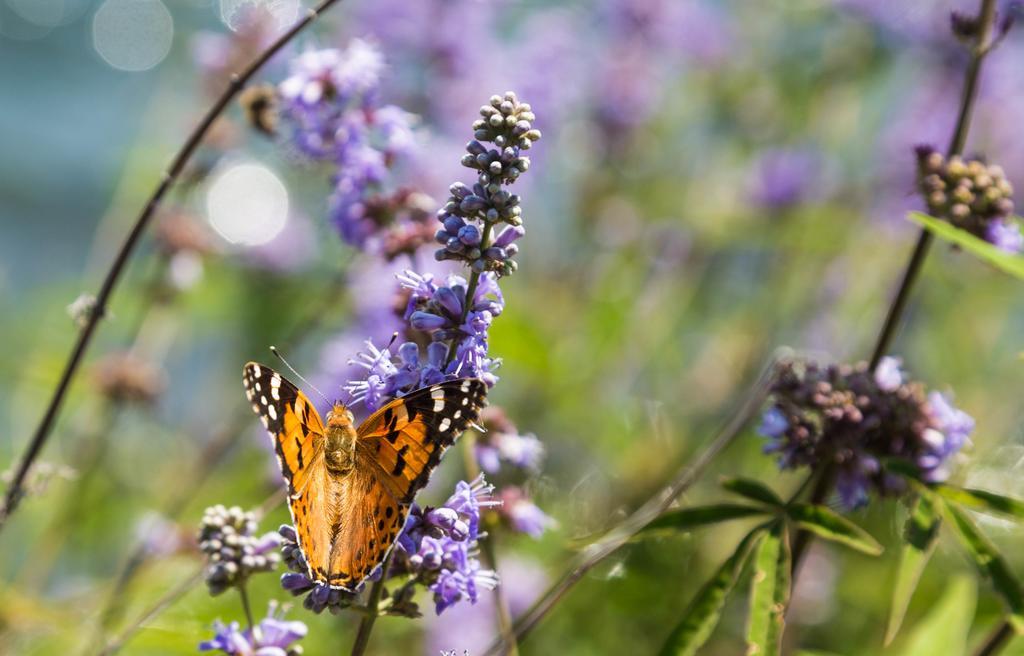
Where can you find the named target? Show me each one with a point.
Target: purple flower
(502, 442)
(1005, 235)
(784, 177)
(438, 545)
(463, 584)
(773, 423)
(330, 101)
(274, 637)
(381, 377)
(888, 374)
(523, 515)
(853, 419)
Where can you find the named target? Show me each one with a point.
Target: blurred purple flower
(784, 177)
(502, 442)
(522, 514)
(1005, 235)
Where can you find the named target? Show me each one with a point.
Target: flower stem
(983, 45)
(474, 282)
(488, 552)
(15, 492)
(996, 640)
(968, 96)
(373, 611)
(244, 594)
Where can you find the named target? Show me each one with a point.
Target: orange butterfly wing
(404, 440)
(298, 434)
(367, 527)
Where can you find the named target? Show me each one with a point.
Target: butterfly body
(340, 440)
(349, 487)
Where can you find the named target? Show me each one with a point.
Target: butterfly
(350, 489)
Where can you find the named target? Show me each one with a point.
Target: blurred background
(717, 179)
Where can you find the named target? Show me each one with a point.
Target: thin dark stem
(899, 304)
(16, 490)
(968, 96)
(996, 640)
(822, 487)
(244, 595)
(596, 552)
(983, 45)
(373, 611)
(488, 554)
(488, 551)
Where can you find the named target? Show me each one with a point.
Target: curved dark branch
(15, 491)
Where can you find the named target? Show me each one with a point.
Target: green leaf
(945, 629)
(769, 593)
(920, 536)
(989, 561)
(988, 502)
(753, 490)
(829, 525)
(1011, 264)
(686, 519)
(704, 611)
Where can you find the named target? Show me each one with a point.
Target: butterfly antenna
(273, 349)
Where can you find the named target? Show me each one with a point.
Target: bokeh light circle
(132, 35)
(247, 204)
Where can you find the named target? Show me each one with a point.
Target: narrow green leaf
(827, 524)
(753, 490)
(989, 561)
(945, 629)
(1011, 264)
(704, 611)
(686, 519)
(769, 593)
(988, 502)
(920, 536)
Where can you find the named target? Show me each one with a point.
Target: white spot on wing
(272, 411)
(458, 413)
(256, 371)
(445, 423)
(263, 400)
(465, 400)
(276, 380)
(275, 393)
(258, 388)
(438, 405)
(465, 385)
(436, 392)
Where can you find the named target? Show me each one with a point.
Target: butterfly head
(340, 416)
